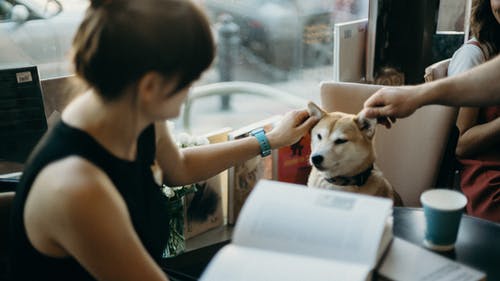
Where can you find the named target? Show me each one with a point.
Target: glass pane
(286, 44)
(452, 29)
(45, 8)
(451, 15)
(44, 38)
(5, 10)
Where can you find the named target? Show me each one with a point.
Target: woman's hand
(294, 125)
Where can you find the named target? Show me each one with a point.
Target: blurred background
(285, 44)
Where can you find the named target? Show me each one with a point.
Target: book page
(244, 176)
(315, 222)
(410, 262)
(371, 37)
(349, 50)
(238, 263)
(204, 209)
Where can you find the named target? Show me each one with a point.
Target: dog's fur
(343, 157)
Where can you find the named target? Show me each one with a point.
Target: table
(478, 245)
(478, 241)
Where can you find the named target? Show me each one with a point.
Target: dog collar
(358, 179)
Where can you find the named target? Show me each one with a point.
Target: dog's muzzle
(316, 160)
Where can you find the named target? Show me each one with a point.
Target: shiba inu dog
(343, 157)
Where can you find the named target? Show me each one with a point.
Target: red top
(480, 179)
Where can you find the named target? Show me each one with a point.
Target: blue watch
(260, 135)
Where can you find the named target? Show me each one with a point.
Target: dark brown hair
(484, 25)
(120, 40)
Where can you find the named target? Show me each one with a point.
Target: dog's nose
(317, 159)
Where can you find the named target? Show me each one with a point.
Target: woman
(87, 206)
(478, 147)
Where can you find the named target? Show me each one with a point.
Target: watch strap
(260, 135)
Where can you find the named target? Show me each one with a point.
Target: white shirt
(465, 58)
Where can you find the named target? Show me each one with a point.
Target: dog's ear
(366, 125)
(315, 110)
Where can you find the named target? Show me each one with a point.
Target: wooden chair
(410, 153)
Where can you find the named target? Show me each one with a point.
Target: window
(39, 32)
(286, 44)
(452, 28)
(452, 15)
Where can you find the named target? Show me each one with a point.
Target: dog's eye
(340, 141)
(319, 136)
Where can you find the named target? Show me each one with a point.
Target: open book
(244, 176)
(291, 232)
(204, 209)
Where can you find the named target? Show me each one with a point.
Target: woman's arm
(74, 210)
(476, 139)
(201, 162)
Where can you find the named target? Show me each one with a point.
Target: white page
(371, 39)
(237, 263)
(315, 222)
(349, 47)
(409, 262)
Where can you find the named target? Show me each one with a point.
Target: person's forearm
(479, 139)
(483, 81)
(203, 162)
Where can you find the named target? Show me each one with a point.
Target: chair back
(437, 70)
(57, 93)
(410, 153)
(449, 170)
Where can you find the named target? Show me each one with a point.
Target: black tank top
(146, 204)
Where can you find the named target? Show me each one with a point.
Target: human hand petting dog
(387, 104)
(294, 125)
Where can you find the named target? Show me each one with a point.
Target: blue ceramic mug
(443, 210)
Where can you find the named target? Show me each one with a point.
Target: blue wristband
(265, 147)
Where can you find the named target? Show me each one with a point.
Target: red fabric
(480, 182)
(480, 178)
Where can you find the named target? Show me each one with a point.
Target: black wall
(405, 29)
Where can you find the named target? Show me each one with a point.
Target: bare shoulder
(74, 177)
(67, 191)
(73, 184)
(75, 210)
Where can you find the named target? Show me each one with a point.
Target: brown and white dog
(343, 157)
